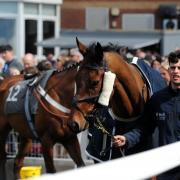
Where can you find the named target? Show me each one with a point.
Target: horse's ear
(82, 48)
(123, 50)
(99, 53)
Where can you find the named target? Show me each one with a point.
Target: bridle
(92, 99)
(98, 124)
(93, 114)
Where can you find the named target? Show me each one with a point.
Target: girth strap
(28, 114)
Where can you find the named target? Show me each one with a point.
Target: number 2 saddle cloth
(15, 102)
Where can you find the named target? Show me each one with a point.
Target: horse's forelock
(93, 58)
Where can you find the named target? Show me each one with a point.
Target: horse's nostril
(74, 126)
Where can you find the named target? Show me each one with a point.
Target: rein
(92, 99)
(89, 100)
(40, 92)
(100, 127)
(44, 106)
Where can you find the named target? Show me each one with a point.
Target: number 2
(13, 96)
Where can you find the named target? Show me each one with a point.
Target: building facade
(24, 22)
(144, 16)
(77, 14)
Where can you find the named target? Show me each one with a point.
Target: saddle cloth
(16, 98)
(152, 76)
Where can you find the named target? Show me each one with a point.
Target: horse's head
(89, 82)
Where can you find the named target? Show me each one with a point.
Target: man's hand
(119, 140)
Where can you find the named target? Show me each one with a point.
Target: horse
(51, 119)
(130, 92)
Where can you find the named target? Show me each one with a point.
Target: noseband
(75, 102)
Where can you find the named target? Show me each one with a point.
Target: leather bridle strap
(115, 117)
(51, 101)
(36, 94)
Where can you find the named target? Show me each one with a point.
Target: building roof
(132, 40)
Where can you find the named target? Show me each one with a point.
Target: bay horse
(51, 123)
(130, 91)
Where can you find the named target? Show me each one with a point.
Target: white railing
(12, 144)
(135, 167)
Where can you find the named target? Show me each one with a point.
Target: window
(8, 32)
(8, 7)
(31, 9)
(138, 21)
(49, 10)
(97, 18)
(40, 22)
(30, 36)
(48, 32)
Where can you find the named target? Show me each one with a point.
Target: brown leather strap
(62, 115)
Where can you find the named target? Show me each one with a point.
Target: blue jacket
(8, 65)
(163, 112)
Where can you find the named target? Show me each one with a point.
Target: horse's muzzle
(74, 126)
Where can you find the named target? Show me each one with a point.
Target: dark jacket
(100, 147)
(12, 63)
(162, 111)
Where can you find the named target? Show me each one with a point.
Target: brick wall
(72, 18)
(73, 11)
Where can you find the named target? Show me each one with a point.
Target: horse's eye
(94, 83)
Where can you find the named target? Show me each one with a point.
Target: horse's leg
(24, 147)
(4, 131)
(47, 148)
(73, 148)
(2, 158)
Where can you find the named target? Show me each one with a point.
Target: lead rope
(100, 126)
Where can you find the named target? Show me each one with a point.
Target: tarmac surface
(60, 164)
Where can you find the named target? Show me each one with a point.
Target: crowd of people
(10, 66)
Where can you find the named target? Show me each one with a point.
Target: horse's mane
(92, 57)
(70, 66)
(114, 47)
(121, 50)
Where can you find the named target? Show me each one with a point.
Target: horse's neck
(61, 86)
(128, 98)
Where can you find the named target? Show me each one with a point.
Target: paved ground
(60, 164)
